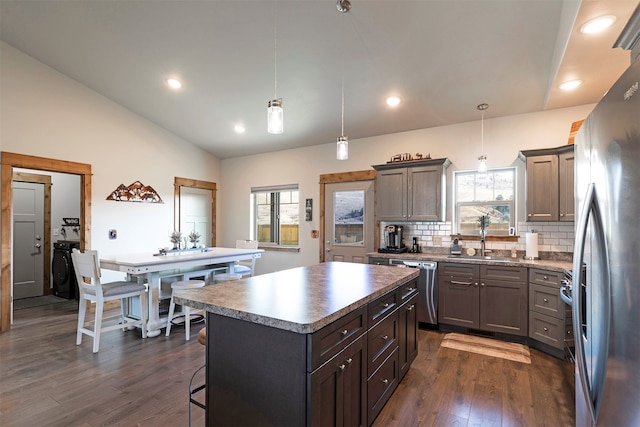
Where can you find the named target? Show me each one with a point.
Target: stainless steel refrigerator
(606, 263)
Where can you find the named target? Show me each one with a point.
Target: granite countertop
(546, 264)
(301, 300)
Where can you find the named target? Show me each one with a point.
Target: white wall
(503, 139)
(44, 113)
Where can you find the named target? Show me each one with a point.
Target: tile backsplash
(555, 239)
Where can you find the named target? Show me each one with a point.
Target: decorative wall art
(136, 192)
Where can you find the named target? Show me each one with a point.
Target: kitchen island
(324, 344)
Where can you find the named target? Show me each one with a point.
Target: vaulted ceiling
(441, 57)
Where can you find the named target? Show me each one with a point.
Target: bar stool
(186, 310)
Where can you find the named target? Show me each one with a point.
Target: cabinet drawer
(382, 340)
(381, 306)
(498, 272)
(458, 271)
(545, 277)
(408, 290)
(547, 329)
(381, 385)
(546, 300)
(330, 340)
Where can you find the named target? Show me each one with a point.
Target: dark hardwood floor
(46, 380)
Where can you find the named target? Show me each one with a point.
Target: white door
(28, 230)
(195, 213)
(349, 221)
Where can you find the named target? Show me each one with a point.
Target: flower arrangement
(175, 237)
(194, 236)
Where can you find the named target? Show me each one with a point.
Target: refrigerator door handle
(592, 380)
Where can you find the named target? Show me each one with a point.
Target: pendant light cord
(275, 50)
(482, 131)
(342, 102)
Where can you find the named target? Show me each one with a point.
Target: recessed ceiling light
(174, 83)
(598, 24)
(239, 128)
(393, 101)
(570, 85)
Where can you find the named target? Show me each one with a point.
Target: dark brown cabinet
(486, 297)
(550, 178)
(408, 334)
(339, 393)
(411, 191)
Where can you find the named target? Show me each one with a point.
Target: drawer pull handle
(342, 367)
(545, 277)
(385, 381)
(546, 300)
(385, 305)
(482, 284)
(349, 360)
(411, 307)
(546, 329)
(456, 282)
(385, 337)
(569, 332)
(345, 332)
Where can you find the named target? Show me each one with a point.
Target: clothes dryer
(65, 284)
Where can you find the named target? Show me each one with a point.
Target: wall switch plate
(437, 240)
(113, 234)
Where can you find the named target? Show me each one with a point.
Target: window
(348, 217)
(276, 215)
(490, 194)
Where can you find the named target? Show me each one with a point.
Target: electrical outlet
(437, 240)
(56, 231)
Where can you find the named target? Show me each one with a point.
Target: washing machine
(65, 284)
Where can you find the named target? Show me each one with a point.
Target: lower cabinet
(485, 297)
(408, 334)
(550, 318)
(352, 385)
(339, 388)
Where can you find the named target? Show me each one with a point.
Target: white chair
(245, 268)
(186, 310)
(87, 265)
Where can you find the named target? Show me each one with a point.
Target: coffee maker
(393, 240)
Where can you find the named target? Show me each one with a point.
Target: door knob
(37, 245)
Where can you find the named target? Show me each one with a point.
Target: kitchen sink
(483, 258)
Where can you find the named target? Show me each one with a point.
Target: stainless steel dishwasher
(427, 285)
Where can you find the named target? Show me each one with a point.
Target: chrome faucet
(483, 234)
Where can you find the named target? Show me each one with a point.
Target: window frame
(512, 204)
(274, 214)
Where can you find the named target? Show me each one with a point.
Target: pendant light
(275, 114)
(342, 146)
(482, 160)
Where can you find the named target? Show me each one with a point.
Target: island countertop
(301, 300)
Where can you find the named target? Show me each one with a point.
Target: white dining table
(152, 268)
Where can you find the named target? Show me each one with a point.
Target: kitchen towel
(531, 245)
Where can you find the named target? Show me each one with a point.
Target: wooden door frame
(194, 183)
(333, 178)
(46, 252)
(13, 160)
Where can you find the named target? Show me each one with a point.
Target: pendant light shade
(482, 160)
(342, 148)
(275, 116)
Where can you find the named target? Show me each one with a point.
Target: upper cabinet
(550, 184)
(411, 191)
